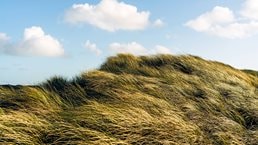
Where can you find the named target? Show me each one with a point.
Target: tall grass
(159, 99)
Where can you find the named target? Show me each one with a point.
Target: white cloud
(158, 23)
(92, 47)
(137, 49)
(35, 43)
(219, 15)
(222, 22)
(235, 30)
(110, 15)
(132, 48)
(250, 9)
(159, 49)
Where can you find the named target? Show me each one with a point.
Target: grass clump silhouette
(160, 99)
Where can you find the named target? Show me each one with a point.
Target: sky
(45, 38)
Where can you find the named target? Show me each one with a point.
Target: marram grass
(160, 99)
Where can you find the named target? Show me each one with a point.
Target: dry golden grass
(159, 99)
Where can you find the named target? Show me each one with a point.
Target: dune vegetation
(160, 99)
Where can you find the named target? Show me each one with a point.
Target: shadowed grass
(252, 72)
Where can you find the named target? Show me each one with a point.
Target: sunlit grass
(159, 99)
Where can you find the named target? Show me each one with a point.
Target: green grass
(160, 99)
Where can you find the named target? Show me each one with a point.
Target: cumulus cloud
(110, 15)
(250, 9)
(223, 22)
(137, 49)
(219, 15)
(35, 43)
(158, 23)
(92, 47)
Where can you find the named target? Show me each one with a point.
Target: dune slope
(161, 99)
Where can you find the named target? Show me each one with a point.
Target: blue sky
(43, 38)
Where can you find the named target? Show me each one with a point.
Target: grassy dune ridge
(161, 99)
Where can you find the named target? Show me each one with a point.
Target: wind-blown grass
(159, 99)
